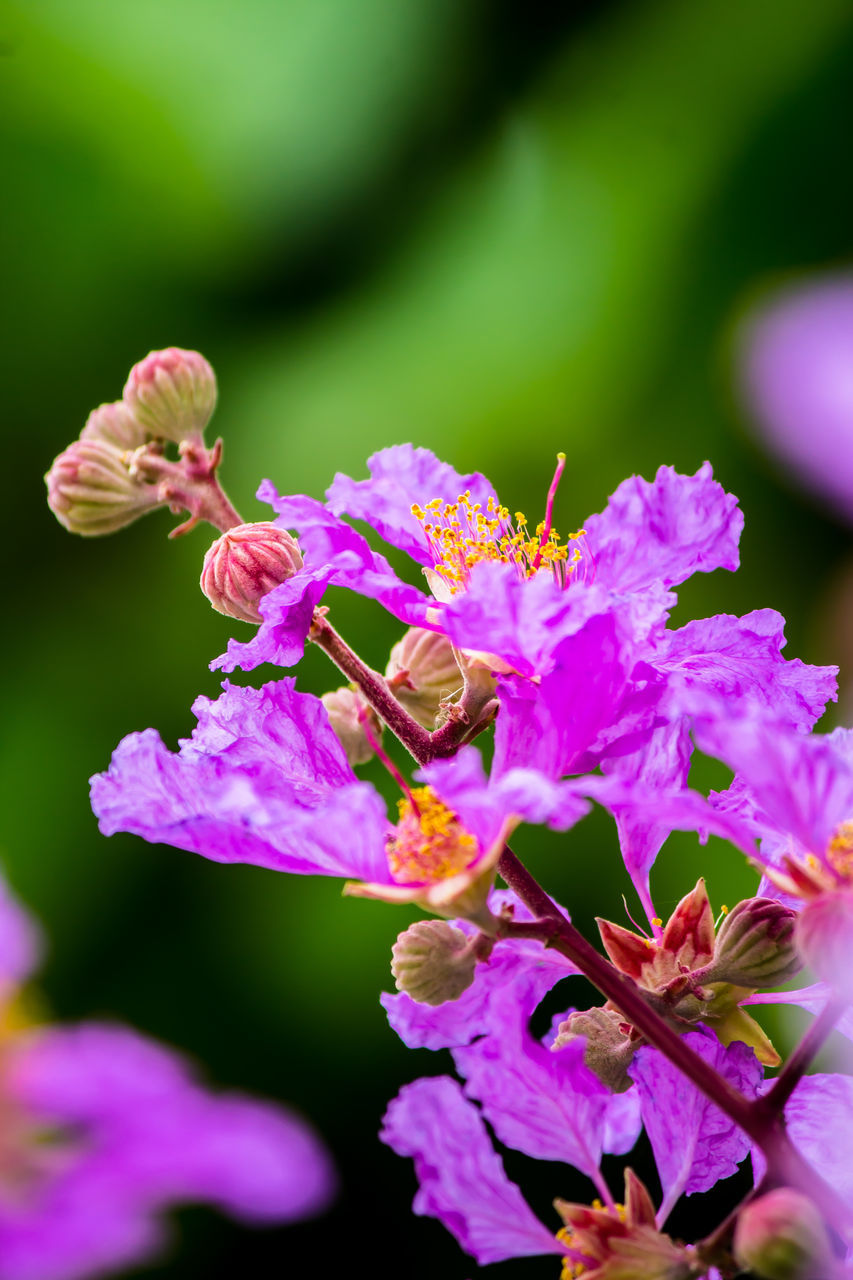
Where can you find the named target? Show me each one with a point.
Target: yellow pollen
(840, 851)
(429, 842)
(571, 1269)
(460, 536)
(657, 922)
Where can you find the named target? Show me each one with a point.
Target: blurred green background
(496, 229)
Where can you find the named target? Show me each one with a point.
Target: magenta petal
(462, 1180)
(545, 1103)
(740, 660)
(796, 784)
(694, 1143)
(485, 804)
(287, 611)
(263, 780)
(819, 1120)
(558, 720)
(401, 477)
(664, 531)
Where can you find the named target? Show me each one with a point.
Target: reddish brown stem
(773, 1102)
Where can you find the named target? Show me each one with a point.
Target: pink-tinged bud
(433, 962)
(689, 933)
(347, 713)
(608, 1050)
(825, 939)
(115, 424)
(755, 946)
(91, 491)
(781, 1236)
(244, 564)
(423, 671)
(172, 394)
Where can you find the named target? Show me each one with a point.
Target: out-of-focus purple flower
(694, 1144)
(795, 791)
(264, 780)
(798, 382)
(103, 1130)
(819, 1120)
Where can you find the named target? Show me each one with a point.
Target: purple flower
(264, 780)
(694, 1144)
(103, 1130)
(515, 606)
(797, 362)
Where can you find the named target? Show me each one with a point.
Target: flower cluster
(563, 647)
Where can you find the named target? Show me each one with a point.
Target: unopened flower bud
(115, 424)
(608, 1050)
(755, 945)
(91, 491)
(172, 393)
(825, 939)
(781, 1236)
(347, 713)
(432, 962)
(423, 672)
(244, 564)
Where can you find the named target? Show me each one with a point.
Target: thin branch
(773, 1102)
(413, 736)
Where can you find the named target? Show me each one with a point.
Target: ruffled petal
(694, 1144)
(665, 530)
(286, 611)
(263, 781)
(543, 1102)
(485, 805)
(797, 785)
(462, 1179)
(401, 477)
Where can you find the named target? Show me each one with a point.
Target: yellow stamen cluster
(840, 851)
(429, 842)
(460, 534)
(571, 1269)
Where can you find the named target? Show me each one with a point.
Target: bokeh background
(497, 229)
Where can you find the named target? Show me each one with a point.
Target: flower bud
(347, 713)
(172, 393)
(781, 1236)
(91, 491)
(116, 425)
(825, 939)
(431, 961)
(608, 1050)
(755, 945)
(423, 672)
(244, 564)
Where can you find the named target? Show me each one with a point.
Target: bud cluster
(116, 470)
